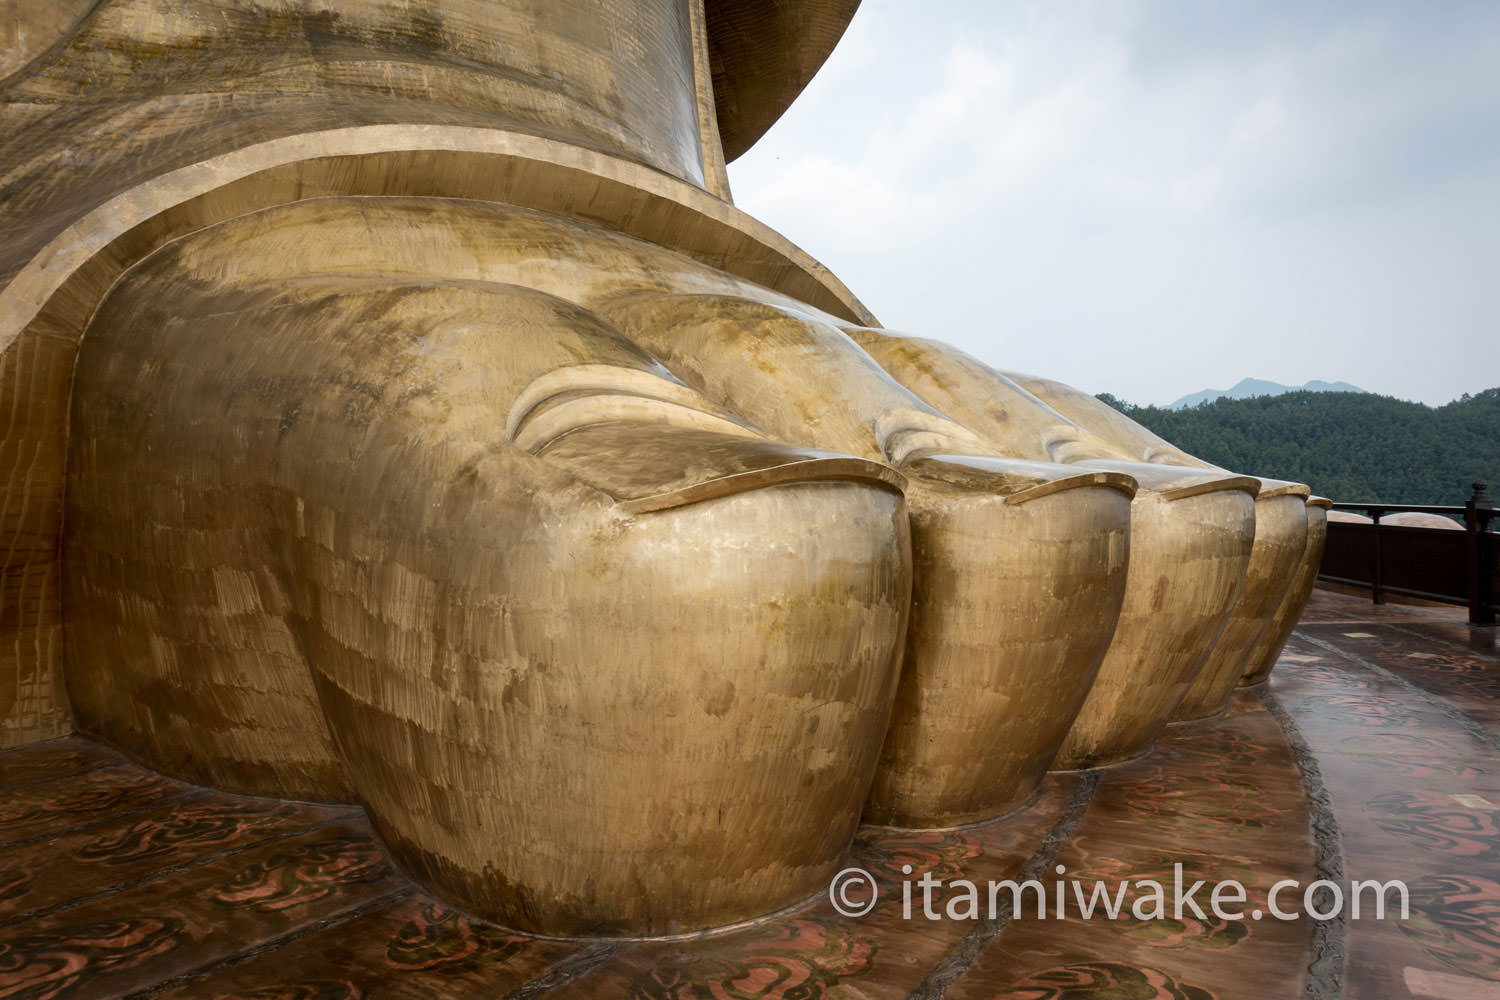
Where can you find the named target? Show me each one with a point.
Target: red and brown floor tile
(1373, 753)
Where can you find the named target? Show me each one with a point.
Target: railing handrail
(1413, 508)
(1478, 517)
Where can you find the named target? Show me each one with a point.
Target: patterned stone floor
(1373, 753)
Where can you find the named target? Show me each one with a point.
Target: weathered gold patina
(401, 413)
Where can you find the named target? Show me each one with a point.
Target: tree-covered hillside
(1348, 446)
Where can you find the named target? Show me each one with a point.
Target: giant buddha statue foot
(428, 577)
(437, 436)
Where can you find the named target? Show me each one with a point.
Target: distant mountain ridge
(1248, 387)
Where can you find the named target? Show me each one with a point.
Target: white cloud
(1139, 201)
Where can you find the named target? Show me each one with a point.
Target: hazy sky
(1158, 197)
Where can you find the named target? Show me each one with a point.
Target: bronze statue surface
(400, 412)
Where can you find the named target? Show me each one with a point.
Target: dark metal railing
(1431, 563)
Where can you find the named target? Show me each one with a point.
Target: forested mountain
(1348, 446)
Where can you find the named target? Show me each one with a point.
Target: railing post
(1377, 594)
(1480, 574)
